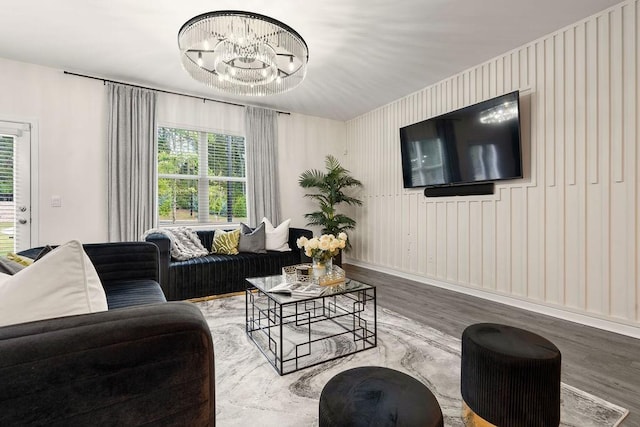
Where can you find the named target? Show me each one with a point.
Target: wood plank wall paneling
(566, 235)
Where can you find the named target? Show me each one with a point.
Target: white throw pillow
(277, 239)
(4, 277)
(62, 283)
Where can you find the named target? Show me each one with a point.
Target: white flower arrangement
(324, 247)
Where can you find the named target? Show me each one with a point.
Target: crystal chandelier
(243, 53)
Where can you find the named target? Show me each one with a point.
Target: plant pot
(337, 260)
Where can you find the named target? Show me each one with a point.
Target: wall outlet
(56, 201)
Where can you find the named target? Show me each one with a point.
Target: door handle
(22, 221)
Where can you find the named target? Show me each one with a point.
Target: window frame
(200, 178)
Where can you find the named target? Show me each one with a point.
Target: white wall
(193, 113)
(303, 143)
(565, 237)
(71, 116)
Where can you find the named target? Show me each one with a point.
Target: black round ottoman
(375, 396)
(509, 377)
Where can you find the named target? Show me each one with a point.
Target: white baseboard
(554, 311)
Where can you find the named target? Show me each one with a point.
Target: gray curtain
(261, 131)
(132, 166)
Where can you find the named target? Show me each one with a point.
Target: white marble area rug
(249, 392)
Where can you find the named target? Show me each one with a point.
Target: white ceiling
(362, 53)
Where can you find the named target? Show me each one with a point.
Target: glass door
(15, 189)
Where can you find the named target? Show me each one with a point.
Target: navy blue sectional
(142, 362)
(128, 271)
(220, 274)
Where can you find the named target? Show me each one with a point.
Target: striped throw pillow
(225, 242)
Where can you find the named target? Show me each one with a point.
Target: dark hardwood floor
(599, 362)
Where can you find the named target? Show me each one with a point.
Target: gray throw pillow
(10, 267)
(253, 241)
(43, 252)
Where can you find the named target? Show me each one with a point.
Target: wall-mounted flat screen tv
(478, 143)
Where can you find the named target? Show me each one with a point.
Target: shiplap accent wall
(565, 236)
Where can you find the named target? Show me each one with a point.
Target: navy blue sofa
(220, 274)
(128, 271)
(143, 362)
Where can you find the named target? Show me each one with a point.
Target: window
(7, 203)
(201, 177)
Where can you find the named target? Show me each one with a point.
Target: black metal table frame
(306, 313)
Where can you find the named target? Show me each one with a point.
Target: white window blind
(7, 189)
(201, 177)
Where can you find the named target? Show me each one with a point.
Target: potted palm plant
(330, 186)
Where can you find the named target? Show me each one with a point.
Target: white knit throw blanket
(185, 243)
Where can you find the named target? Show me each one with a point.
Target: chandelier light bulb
(200, 59)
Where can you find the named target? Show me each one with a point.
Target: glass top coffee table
(298, 332)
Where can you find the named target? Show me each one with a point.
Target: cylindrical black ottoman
(510, 377)
(373, 396)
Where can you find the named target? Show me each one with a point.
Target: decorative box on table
(304, 273)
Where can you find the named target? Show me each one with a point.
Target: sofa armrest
(124, 260)
(163, 243)
(119, 261)
(147, 364)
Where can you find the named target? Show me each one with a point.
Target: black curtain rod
(163, 91)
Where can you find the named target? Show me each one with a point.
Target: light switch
(56, 201)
